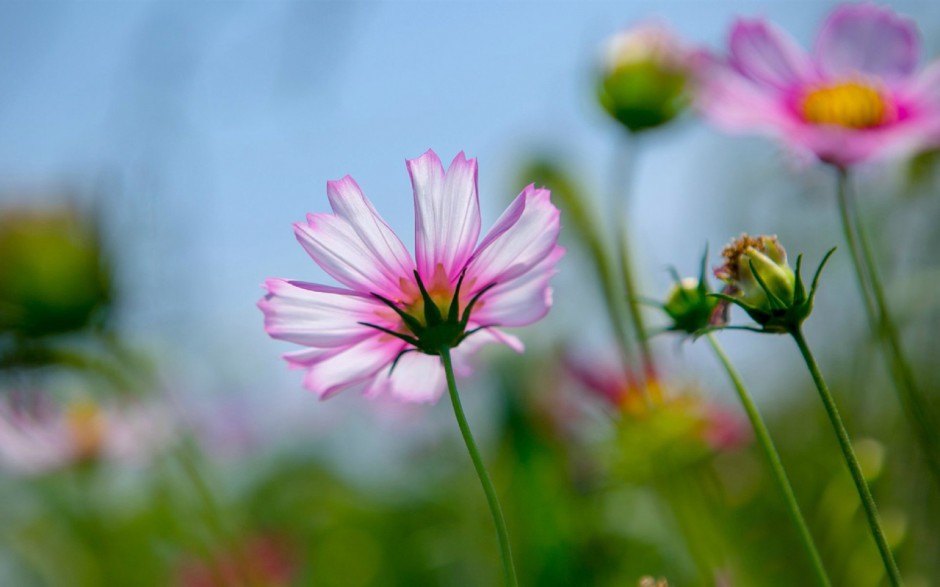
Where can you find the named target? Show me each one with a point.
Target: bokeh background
(189, 136)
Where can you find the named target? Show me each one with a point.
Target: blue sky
(211, 126)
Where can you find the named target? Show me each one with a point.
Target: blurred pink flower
(637, 398)
(357, 334)
(83, 431)
(262, 560)
(857, 96)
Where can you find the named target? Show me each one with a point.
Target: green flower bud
(643, 78)
(773, 287)
(53, 277)
(689, 305)
(760, 281)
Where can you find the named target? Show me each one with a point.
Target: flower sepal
(436, 332)
(689, 304)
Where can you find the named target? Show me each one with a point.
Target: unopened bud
(53, 274)
(773, 286)
(689, 305)
(643, 78)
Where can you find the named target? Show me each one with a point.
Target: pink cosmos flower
(384, 326)
(857, 96)
(650, 397)
(56, 436)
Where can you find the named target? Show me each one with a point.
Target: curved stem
(501, 532)
(882, 324)
(868, 502)
(633, 302)
(583, 220)
(776, 465)
(625, 168)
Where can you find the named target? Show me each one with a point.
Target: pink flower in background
(640, 399)
(82, 431)
(382, 328)
(858, 95)
(267, 560)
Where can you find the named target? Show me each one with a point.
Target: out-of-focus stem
(776, 465)
(583, 221)
(625, 168)
(916, 410)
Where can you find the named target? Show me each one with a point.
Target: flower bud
(53, 276)
(649, 581)
(689, 305)
(774, 285)
(644, 76)
(760, 282)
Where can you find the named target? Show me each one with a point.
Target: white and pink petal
(447, 213)
(417, 378)
(522, 237)
(354, 365)
(354, 245)
(736, 104)
(763, 53)
(522, 300)
(315, 315)
(463, 354)
(866, 39)
(350, 204)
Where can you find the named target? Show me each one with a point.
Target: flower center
(434, 321)
(850, 104)
(439, 290)
(86, 428)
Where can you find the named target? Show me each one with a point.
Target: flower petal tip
(428, 159)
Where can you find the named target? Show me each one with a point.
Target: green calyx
(437, 331)
(643, 95)
(55, 274)
(689, 303)
(778, 315)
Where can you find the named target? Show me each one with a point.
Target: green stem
(633, 303)
(614, 307)
(868, 502)
(882, 324)
(855, 250)
(625, 167)
(214, 514)
(776, 465)
(214, 517)
(501, 532)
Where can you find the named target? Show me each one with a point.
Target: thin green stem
(583, 221)
(625, 171)
(882, 324)
(855, 250)
(633, 302)
(776, 465)
(868, 502)
(609, 289)
(214, 517)
(501, 532)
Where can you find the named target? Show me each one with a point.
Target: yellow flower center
(849, 104)
(86, 428)
(439, 289)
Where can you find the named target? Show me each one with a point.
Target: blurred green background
(154, 156)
